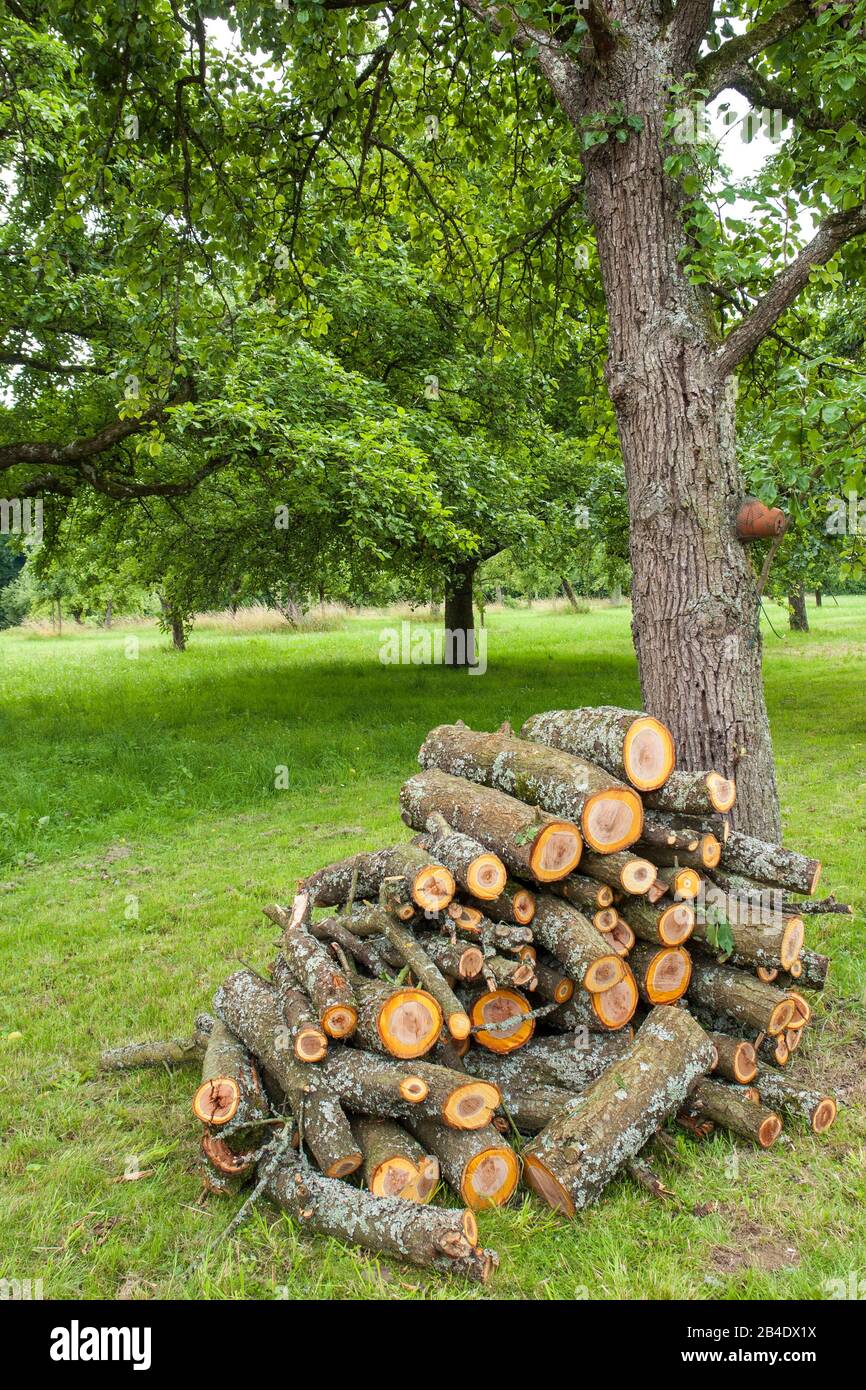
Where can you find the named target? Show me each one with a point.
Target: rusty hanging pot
(755, 521)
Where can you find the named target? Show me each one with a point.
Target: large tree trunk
(460, 617)
(694, 593)
(798, 618)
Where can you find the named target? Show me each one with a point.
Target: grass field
(140, 832)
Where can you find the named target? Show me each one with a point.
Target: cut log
(571, 1061)
(743, 997)
(374, 953)
(802, 1009)
(474, 868)
(771, 864)
(706, 856)
(223, 1172)
(395, 1164)
(316, 970)
(813, 970)
(231, 1089)
(665, 923)
(623, 872)
(746, 906)
(453, 959)
(736, 1059)
(530, 843)
(727, 1106)
(400, 1022)
(551, 983)
(481, 1169)
(683, 885)
(574, 941)
(308, 1038)
(432, 1237)
(324, 1129)
(585, 893)
(774, 1050)
(605, 919)
(612, 1009)
(689, 829)
(628, 743)
(426, 883)
(429, 977)
(173, 1052)
(774, 946)
(792, 1098)
(694, 794)
(515, 904)
(658, 832)
(499, 1020)
(609, 813)
(500, 972)
(622, 938)
(530, 1110)
(569, 1163)
(662, 973)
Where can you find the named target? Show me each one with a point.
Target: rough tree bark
(798, 618)
(460, 617)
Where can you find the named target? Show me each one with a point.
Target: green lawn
(140, 832)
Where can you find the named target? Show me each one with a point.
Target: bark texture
(727, 1106)
(608, 736)
(481, 1167)
(770, 863)
(743, 997)
(790, 1096)
(574, 941)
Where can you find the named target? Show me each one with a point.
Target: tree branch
(42, 364)
(763, 92)
(561, 72)
(601, 31)
(833, 233)
(715, 70)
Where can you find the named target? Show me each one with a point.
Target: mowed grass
(140, 833)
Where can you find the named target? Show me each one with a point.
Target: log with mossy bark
(775, 946)
(665, 923)
(657, 832)
(688, 829)
(432, 1237)
(609, 813)
(790, 1096)
(509, 972)
(551, 982)
(316, 970)
(570, 1162)
(475, 869)
(726, 1105)
(683, 885)
(231, 1090)
(624, 872)
(428, 976)
(736, 1059)
(324, 1129)
(741, 996)
(662, 973)
(456, 960)
(610, 1010)
(515, 905)
(373, 952)
(531, 843)
(398, 1021)
(627, 743)
(770, 864)
(574, 941)
(308, 1038)
(395, 1164)
(694, 794)
(170, 1052)
(705, 857)
(814, 969)
(426, 883)
(479, 1166)
(585, 893)
(571, 1061)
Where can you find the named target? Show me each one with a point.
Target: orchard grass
(140, 833)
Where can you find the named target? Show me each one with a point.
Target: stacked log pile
(574, 949)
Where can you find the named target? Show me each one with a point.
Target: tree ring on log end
(409, 1023)
(471, 1106)
(486, 877)
(413, 1089)
(339, 1020)
(603, 974)
(546, 1186)
(745, 1063)
(612, 819)
(638, 876)
(556, 850)
(668, 975)
(223, 1158)
(676, 924)
(433, 888)
(216, 1101)
(823, 1115)
(393, 1176)
(781, 1017)
(769, 1131)
(722, 792)
(648, 754)
(498, 1006)
(615, 1007)
(792, 942)
(349, 1163)
(710, 851)
(489, 1178)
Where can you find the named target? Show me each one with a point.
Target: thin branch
(833, 233)
(561, 71)
(715, 70)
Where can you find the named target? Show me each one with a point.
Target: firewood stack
(574, 949)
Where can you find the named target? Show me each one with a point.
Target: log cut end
(615, 1007)
(710, 850)
(523, 907)
(668, 975)
(340, 1020)
(414, 1089)
(622, 938)
(744, 1063)
(490, 1177)
(471, 1106)
(637, 876)
(605, 919)
(433, 888)
(216, 1101)
(722, 792)
(311, 1043)
(346, 1164)
(676, 924)
(427, 1180)
(769, 1130)
(502, 1007)
(409, 1023)
(459, 1025)
(224, 1158)
(824, 1114)
(539, 1177)
(792, 942)
(486, 877)
(781, 1017)
(612, 819)
(604, 973)
(648, 754)
(556, 850)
